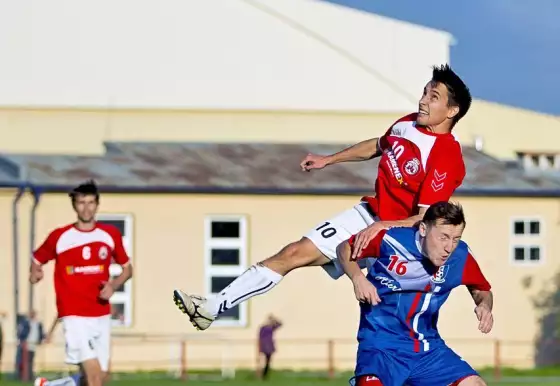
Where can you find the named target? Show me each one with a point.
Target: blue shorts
(439, 366)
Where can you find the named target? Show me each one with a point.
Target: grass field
(287, 378)
(271, 382)
(307, 382)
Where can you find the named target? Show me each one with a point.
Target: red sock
(368, 380)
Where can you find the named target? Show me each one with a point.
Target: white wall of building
(212, 54)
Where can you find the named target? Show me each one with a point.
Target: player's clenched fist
(36, 274)
(365, 291)
(314, 161)
(106, 291)
(485, 317)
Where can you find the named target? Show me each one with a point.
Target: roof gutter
(163, 189)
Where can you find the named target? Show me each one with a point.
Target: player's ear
(423, 229)
(452, 111)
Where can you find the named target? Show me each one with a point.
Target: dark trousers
(1, 349)
(266, 368)
(19, 364)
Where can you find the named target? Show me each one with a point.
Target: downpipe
(32, 235)
(15, 232)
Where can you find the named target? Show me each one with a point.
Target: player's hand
(314, 161)
(48, 339)
(485, 317)
(364, 237)
(107, 291)
(36, 274)
(365, 291)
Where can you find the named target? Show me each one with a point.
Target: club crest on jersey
(86, 253)
(412, 166)
(103, 253)
(439, 276)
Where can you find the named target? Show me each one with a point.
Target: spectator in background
(35, 338)
(266, 343)
(3, 316)
(21, 352)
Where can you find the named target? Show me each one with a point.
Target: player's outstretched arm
(484, 301)
(482, 298)
(362, 151)
(48, 339)
(365, 236)
(480, 290)
(363, 289)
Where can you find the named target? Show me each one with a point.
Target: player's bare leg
(473, 380)
(93, 374)
(257, 280)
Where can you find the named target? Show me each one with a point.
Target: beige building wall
(505, 130)
(84, 131)
(168, 252)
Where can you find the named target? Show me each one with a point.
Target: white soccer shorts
(329, 234)
(87, 338)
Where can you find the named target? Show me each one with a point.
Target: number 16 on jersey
(399, 267)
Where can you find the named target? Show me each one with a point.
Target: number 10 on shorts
(326, 231)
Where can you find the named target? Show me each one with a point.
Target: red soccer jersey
(417, 168)
(82, 260)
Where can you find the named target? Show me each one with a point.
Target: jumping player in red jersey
(83, 252)
(421, 163)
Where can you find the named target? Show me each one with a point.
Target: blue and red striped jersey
(412, 290)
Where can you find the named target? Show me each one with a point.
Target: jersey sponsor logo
(412, 166)
(441, 273)
(389, 283)
(394, 166)
(86, 253)
(103, 252)
(85, 270)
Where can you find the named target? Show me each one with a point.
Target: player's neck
(442, 128)
(85, 226)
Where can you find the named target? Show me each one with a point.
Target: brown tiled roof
(244, 168)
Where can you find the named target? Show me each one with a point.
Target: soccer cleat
(40, 382)
(193, 306)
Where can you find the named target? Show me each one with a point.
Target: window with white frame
(527, 240)
(225, 260)
(121, 301)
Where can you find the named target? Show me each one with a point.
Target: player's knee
(94, 379)
(344, 249)
(470, 381)
(299, 254)
(92, 372)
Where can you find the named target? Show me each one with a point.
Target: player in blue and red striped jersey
(415, 271)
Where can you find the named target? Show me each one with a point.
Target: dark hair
(88, 188)
(457, 91)
(447, 213)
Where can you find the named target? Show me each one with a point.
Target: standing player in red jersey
(421, 163)
(82, 253)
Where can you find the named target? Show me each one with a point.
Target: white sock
(255, 281)
(67, 381)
